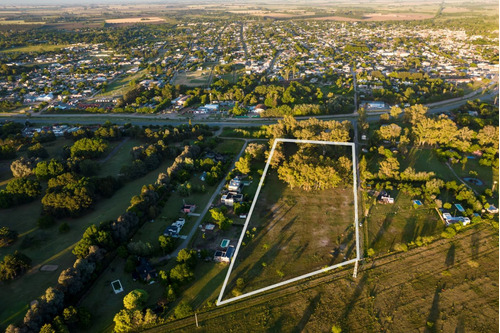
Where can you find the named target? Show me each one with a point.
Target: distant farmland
(151, 19)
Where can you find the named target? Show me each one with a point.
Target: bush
(63, 228)
(183, 310)
(401, 247)
(14, 265)
(7, 236)
(45, 221)
(136, 299)
(130, 264)
(122, 251)
(448, 233)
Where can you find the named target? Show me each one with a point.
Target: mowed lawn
(390, 224)
(149, 232)
(55, 248)
(120, 158)
(297, 232)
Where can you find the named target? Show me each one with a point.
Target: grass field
(297, 232)
(36, 48)
(193, 79)
(388, 225)
(121, 84)
(447, 286)
(23, 219)
(120, 158)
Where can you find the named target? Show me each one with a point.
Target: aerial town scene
(214, 166)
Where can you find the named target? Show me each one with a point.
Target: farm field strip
(378, 264)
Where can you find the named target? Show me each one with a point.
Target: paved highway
(163, 119)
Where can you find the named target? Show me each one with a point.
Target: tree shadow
(450, 256)
(357, 292)
(460, 326)
(474, 245)
(384, 227)
(207, 290)
(307, 314)
(410, 230)
(432, 318)
(289, 224)
(277, 326)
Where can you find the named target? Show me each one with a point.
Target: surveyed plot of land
(291, 233)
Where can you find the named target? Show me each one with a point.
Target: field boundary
(249, 216)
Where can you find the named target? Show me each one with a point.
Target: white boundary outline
(326, 269)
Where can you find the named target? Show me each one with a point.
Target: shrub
(14, 265)
(136, 299)
(64, 228)
(7, 236)
(401, 247)
(183, 310)
(45, 221)
(448, 233)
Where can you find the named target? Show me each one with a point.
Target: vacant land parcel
(293, 232)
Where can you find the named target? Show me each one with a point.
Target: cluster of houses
(280, 49)
(58, 130)
(233, 194)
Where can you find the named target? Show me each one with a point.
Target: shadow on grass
(450, 256)
(307, 314)
(207, 290)
(474, 245)
(266, 260)
(432, 318)
(356, 294)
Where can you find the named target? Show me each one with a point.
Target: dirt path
(115, 150)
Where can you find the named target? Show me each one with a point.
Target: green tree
(183, 310)
(243, 165)
(13, 265)
(136, 299)
(7, 236)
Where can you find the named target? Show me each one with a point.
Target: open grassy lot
(231, 147)
(447, 286)
(391, 224)
(486, 174)
(104, 303)
(121, 84)
(36, 48)
(193, 79)
(425, 160)
(296, 233)
(55, 248)
(120, 158)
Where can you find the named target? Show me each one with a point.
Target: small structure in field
(117, 286)
(188, 208)
(385, 198)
